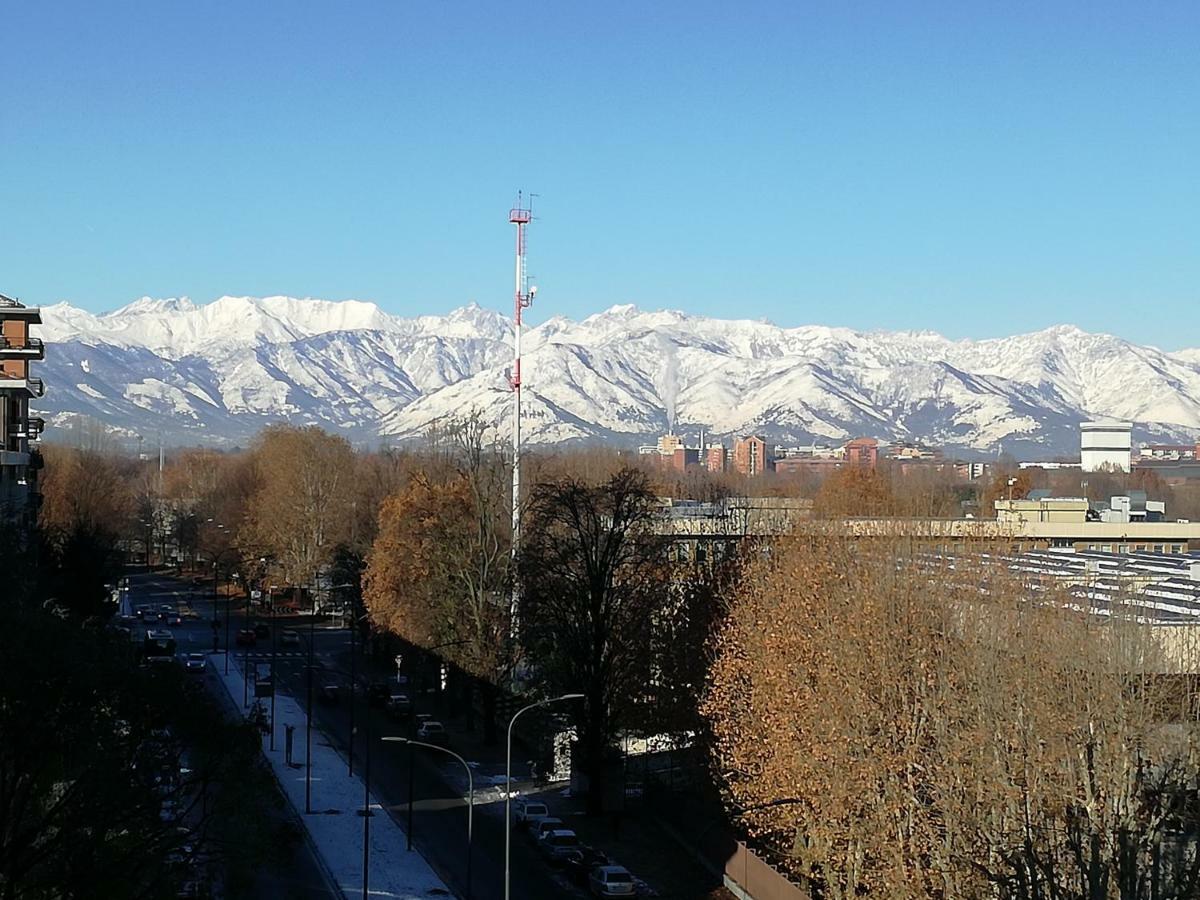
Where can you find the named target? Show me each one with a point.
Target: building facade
(19, 460)
(862, 452)
(750, 455)
(1105, 445)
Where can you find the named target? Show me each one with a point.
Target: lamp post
(508, 779)
(216, 574)
(274, 656)
(246, 655)
(366, 806)
(365, 812)
(228, 603)
(470, 795)
(307, 736)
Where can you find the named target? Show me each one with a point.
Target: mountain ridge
(218, 372)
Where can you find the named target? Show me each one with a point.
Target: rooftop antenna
(520, 216)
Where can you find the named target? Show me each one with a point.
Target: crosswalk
(267, 654)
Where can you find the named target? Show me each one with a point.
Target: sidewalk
(639, 841)
(335, 828)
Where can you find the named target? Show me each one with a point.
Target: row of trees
(115, 779)
(599, 610)
(602, 610)
(888, 728)
(883, 728)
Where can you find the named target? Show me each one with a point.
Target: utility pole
(520, 215)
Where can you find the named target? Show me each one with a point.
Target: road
(439, 831)
(301, 875)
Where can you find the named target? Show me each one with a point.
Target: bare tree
(592, 575)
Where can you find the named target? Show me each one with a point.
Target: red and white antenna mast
(520, 215)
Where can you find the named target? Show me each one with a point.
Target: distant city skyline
(948, 167)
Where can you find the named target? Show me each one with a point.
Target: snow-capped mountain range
(217, 373)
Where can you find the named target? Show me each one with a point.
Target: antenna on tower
(520, 216)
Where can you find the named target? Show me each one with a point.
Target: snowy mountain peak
(150, 305)
(220, 371)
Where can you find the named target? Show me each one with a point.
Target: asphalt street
(439, 809)
(300, 876)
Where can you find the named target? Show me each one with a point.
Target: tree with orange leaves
(438, 572)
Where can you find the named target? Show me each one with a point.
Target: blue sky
(974, 168)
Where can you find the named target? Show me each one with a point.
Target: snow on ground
(90, 391)
(336, 830)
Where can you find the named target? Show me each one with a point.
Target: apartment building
(862, 452)
(750, 456)
(19, 461)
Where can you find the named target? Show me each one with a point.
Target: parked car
(557, 845)
(399, 705)
(432, 732)
(262, 630)
(529, 810)
(378, 693)
(289, 638)
(539, 828)
(578, 864)
(195, 662)
(330, 693)
(246, 638)
(611, 881)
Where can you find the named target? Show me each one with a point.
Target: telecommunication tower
(520, 215)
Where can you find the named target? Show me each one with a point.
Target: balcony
(31, 428)
(29, 348)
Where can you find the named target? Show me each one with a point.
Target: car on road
(528, 811)
(432, 732)
(289, 638)
(611, 881)
(578, 864)
(399, 705)
(195, 662)
(539, 828)
(262, 630)
(174, 618)
(246, 637)
(166, 609)
(557, 845)
(141, 611)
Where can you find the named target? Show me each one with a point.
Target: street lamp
(246, 655)
(508, 780)
(216, 574)
(470, 795)
(312, 618)
(366, 810)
